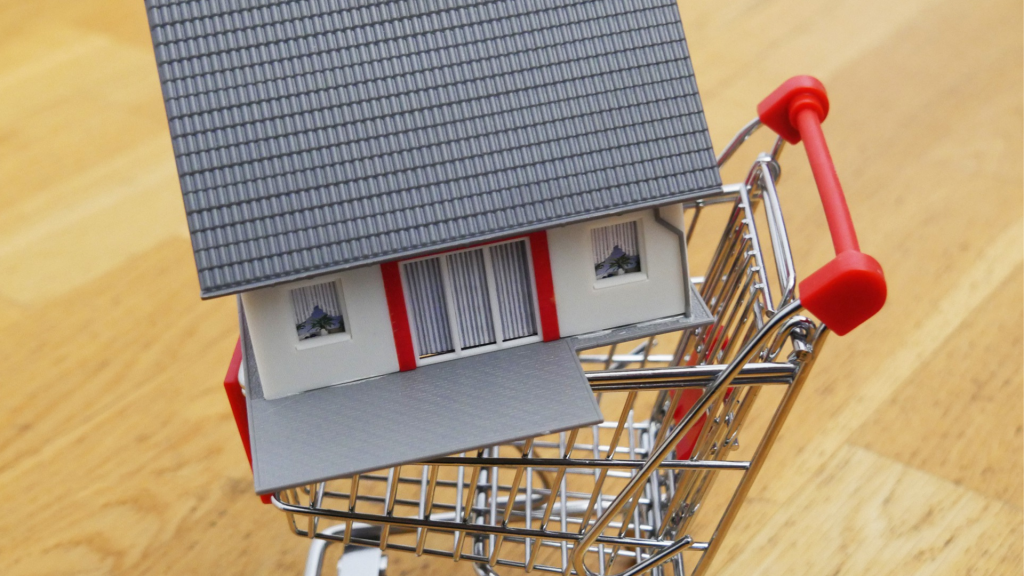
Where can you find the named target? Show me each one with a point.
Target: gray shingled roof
(320, 135)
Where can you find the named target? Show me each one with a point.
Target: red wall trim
(233, 388)
(545, 286)
(399, 316)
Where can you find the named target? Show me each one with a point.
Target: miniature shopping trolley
(689, 417)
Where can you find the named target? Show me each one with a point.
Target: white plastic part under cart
(689, 417)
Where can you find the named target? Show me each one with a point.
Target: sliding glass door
(471, 301)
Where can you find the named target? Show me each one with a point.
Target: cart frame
(623, 497)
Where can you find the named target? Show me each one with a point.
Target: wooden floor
(118, 454)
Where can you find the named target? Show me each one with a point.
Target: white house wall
(585, 305)
(287, 366)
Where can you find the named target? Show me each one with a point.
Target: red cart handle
(851, 288)
(233, 387)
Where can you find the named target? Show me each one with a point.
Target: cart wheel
(356, 560)
(360, 561)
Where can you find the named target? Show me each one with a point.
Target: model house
(392, 186)
(475, 298)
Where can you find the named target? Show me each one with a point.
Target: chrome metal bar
(369, 542)
(737, 141)
(527, 544)
(752, 235)
(657, 559)
(389, 505)
(627, 358)
(590, 463)
(780, 145)
(648, 346)
(700, 375)
(808, 357)
(777, 231)
(513, 492)
(556, 486)
(453, 526)
(602, 475)
(727, 193)
(660, 453)
(316, 496)
(427, 508)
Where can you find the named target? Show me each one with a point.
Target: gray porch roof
(436, 410)
(319, 135)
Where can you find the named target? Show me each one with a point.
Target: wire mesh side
(531, 504)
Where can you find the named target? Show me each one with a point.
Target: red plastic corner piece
(689, 397)
(400, 329)
(778, 111)
(233, 388)
(845, 292)
(548, 310)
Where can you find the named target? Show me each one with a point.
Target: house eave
(231, 289)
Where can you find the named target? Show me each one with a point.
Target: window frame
(492, 294)
(641, 245)
(318, 341)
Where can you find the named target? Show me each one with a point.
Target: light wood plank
(121, 447)
(871, 515)
(958, 415)
(88, 171)
(117, 451)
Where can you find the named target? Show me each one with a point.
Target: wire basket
(689, 417)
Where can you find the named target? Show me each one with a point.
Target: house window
(471, 301)
(317, 311)
(616, 250)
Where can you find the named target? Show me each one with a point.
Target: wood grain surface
(118, 454)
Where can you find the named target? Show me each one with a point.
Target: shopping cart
(635, 495)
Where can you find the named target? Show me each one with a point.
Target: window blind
(468, 275)
(307, 298)
(429, 306)
(606, 238)
(515, 294)
(459, 287)
(317, 310)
